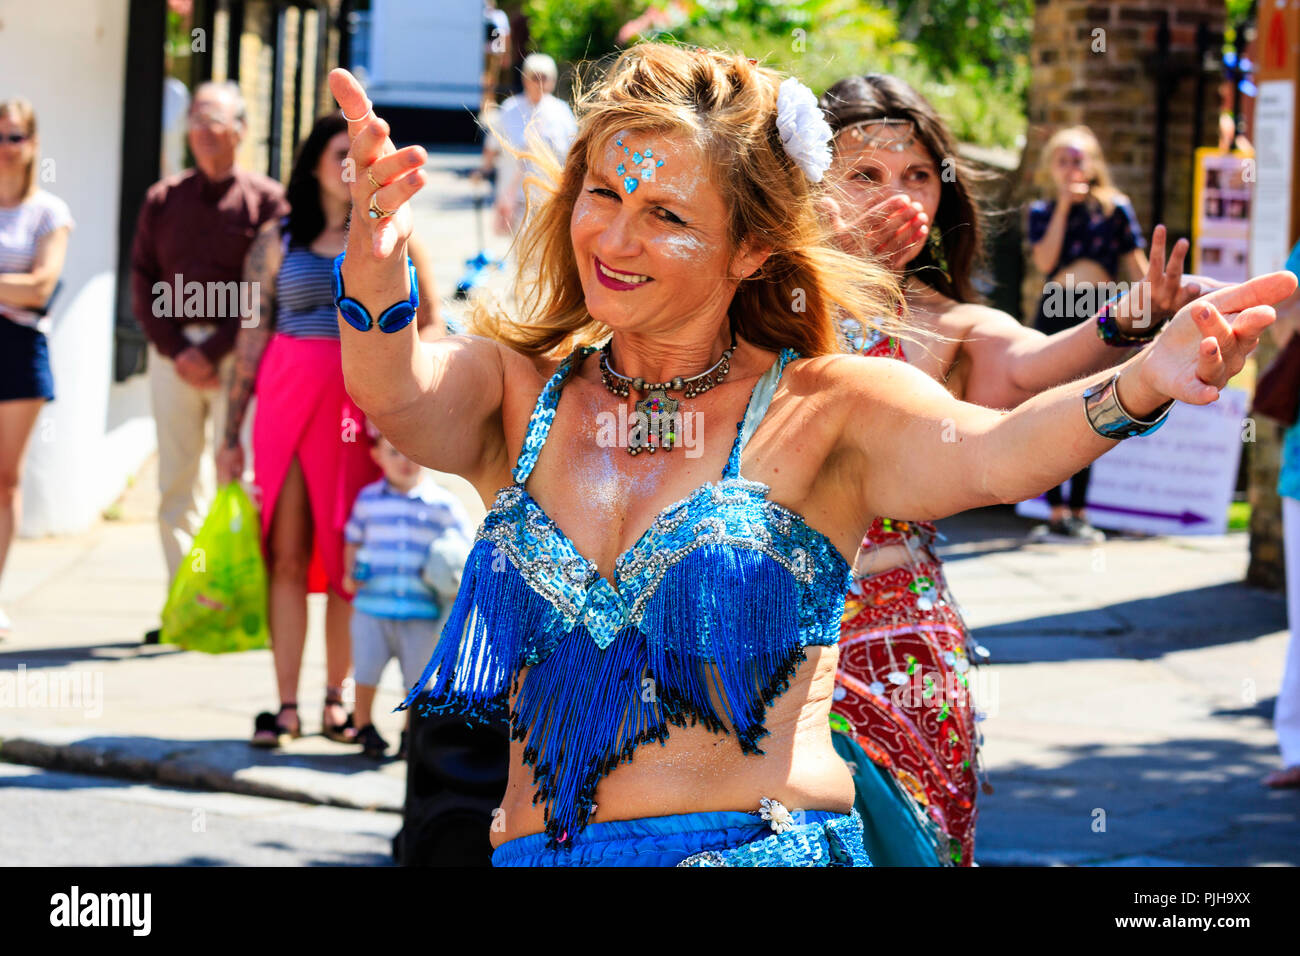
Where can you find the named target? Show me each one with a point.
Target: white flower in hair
(804, 130)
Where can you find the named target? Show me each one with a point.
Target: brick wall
(1113, 91)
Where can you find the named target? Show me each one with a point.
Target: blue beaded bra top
(706, 621)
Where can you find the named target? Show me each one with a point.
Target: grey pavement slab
(1143, 692)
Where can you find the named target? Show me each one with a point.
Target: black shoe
(1052, 530)
(152, 637)
(1080, 530)
(372, 745)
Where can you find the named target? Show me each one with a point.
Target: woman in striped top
(34, 227)
(310, 457)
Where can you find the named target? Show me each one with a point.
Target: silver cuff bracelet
(1108, 417)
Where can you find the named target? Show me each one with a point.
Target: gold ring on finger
(376, 210)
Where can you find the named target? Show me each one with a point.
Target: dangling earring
(935, 244)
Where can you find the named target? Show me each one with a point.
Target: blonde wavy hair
(1103, 187)
(21, 112)
(726, 105)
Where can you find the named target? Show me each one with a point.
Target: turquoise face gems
(642, 170)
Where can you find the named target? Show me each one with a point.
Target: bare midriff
(697, 771)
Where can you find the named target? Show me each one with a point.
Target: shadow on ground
(1193, 800)
(1142, 629)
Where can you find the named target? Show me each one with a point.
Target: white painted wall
(426, 53)
(68, 57)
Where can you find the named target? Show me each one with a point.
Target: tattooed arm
(261, 266)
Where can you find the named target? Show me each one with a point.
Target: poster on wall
(1178, 480)
(1222, 196)
(1270, 233)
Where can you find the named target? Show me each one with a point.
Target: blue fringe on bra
(715, 655)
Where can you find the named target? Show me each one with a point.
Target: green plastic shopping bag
(217, 601)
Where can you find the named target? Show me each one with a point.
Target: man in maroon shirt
(186, 269)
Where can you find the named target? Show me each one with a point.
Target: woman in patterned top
(310, 457)
(34, 227)
(1084, 239)
(900, 193)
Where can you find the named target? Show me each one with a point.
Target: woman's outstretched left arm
(1011, 362)
(927, 455)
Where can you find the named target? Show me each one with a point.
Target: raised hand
(895, 229)
(380, 172)
(1073, 192)
(1164, 288)
(1207, 342)
(891, 229)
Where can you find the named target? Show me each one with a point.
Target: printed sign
(1270, 233)
(1222, 202)
(1178, 480)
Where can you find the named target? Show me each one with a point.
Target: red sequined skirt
(903, 688)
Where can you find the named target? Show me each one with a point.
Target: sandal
(372, 745)
(269, 732)
(344, 733)
(1283, 779)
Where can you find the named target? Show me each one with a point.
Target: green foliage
(968, 57)
(979, 106)
(1239, 14)
(573, 30)
(952, 36)
(822, 41)
(819, 41)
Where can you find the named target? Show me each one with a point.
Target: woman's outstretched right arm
(437, 402)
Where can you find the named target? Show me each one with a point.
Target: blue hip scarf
(724, 838)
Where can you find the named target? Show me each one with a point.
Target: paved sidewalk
(80, 607)
(1130, 695)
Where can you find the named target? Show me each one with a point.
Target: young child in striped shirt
(394, 523)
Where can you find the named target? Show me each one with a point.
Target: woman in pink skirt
(310, 453)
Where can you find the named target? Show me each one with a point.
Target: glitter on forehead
(644, 164)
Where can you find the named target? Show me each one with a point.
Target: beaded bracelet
(1108, 329)
(395, 317)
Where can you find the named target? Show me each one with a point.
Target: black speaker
(455, 778)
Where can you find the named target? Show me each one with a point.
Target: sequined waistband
(691, 839)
